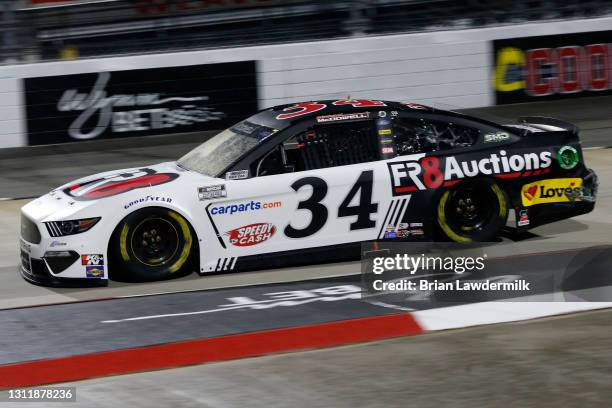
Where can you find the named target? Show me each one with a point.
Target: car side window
(420, 135)
(323, 146)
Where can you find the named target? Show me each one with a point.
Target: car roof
(268, 116)
(332, 109)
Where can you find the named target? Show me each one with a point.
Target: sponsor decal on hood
(251, 234)
(118, 183)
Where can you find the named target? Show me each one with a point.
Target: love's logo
(551, 191)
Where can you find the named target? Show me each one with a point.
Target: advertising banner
(140, 102)
(549, 67)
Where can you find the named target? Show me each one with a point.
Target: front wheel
(151, 244)
(474, 210)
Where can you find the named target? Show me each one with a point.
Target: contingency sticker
(92, 259)
(94, 271)
(237, 175)
(211, 192)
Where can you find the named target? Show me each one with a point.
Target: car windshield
(216, 154)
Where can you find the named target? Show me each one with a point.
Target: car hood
(96, 182)
(84, 195)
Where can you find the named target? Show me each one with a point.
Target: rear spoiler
(549, 124)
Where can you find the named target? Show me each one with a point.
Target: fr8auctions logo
(428, 172)
(420, 174)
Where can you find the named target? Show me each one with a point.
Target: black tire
(152, 244)
(473, 210)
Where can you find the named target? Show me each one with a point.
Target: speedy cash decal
(251, 234)
(433, 172)
(551, 191)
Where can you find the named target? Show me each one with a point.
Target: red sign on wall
(552, 67)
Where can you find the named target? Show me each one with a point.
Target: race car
(304, 182)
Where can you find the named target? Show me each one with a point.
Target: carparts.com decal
(244, 207)
(560, 190)
(251, 234)
(118, 183)
(425, 172)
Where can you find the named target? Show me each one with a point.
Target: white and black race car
(310, 178)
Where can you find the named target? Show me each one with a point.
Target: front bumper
(40, 275)
(66, 261)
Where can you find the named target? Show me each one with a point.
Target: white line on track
(235, 286)
(257, 305)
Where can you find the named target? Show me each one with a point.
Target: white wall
(444, 67)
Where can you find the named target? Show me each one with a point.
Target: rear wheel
(474, 210)
(151, 244)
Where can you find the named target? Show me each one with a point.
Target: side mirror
(289, 168)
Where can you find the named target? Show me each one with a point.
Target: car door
(325, 185)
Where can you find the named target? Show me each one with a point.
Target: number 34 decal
(363, 210)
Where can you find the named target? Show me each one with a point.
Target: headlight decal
(70, 227)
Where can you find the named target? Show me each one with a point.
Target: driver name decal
(118, 183)
(251, 234)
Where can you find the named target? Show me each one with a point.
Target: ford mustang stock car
(302, 179)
